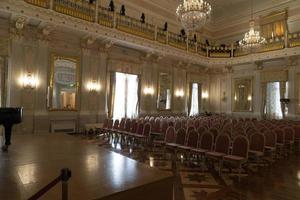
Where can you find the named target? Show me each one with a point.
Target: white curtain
(126, 96)
(195, 100)
(273, 105)
(132, 96)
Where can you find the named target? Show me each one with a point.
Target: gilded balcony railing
(40, 3)
(161, 36)
(135, 27)
(177, 41)
(272, 44)
(105, 17)
(202, 49)
(219, 52)
(192, 46)
(294, 39)
(240, 51)
(79, 9)
(86, 10)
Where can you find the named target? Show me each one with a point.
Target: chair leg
(240, 169)
(220, 167)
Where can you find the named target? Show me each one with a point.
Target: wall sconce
(28, 81)
(249, 98)
(235, 98)
(148, 90)
(179, 93)
(205, 95)
(94, 86)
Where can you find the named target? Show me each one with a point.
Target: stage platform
(35, 160)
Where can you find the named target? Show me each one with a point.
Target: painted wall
(30, 51)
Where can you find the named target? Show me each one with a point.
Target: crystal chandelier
(252, 39)
(193, 14)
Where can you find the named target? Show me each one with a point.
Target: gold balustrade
(135, 27)
(220, 52)
(201, 49)
(105, 17)
(40, 3)
(272, 44)
(86, 11)
(177, 41)
(239, 51)
(294, 39)
(79, 9)
(192, 46)
(161, 36)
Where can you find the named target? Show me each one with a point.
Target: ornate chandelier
(193, 14)
(252, 39)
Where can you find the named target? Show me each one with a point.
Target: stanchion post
(65, 176)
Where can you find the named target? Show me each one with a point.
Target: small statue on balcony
(195, 38)
(143, 18)
(166, 26)
(111, 6)
(122, 11)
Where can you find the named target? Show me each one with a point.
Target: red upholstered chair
(177, 125)
(191, 140)
(239, 154)
(280, 142)
(289, 135)
(164, 127)
(297, 133)
(270, 144)
(180, 138)
(257, 145)
(214, 131)
(205, 144)
(221, 150)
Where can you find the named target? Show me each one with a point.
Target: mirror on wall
(164, 91)
(63, 83)
(242, 95)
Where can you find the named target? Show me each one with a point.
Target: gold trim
(75, 59)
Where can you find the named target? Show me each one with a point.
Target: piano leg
(7, 128)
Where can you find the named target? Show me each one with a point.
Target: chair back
(214, 131)
(116, 124)
(192, 139)
(297, 132)
(105, 123)
(164, 126)
(140, 129)
(191, 128)
(257, 142)
(127, 125)
(170, 135)
(147, 130)
(206, 141)
(279, 135)
(289, 134)
(177, 125)
(122, 124)
(180, 136)
(222, 143)
(133, 126)
(156, 125)
(240, 146)
(270, 139)
(110, 123)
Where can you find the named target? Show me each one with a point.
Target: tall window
(195, 104)
(273, 105)
(126, 96)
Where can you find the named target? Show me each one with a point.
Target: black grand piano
(9, 117)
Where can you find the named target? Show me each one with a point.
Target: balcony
(94, 13)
